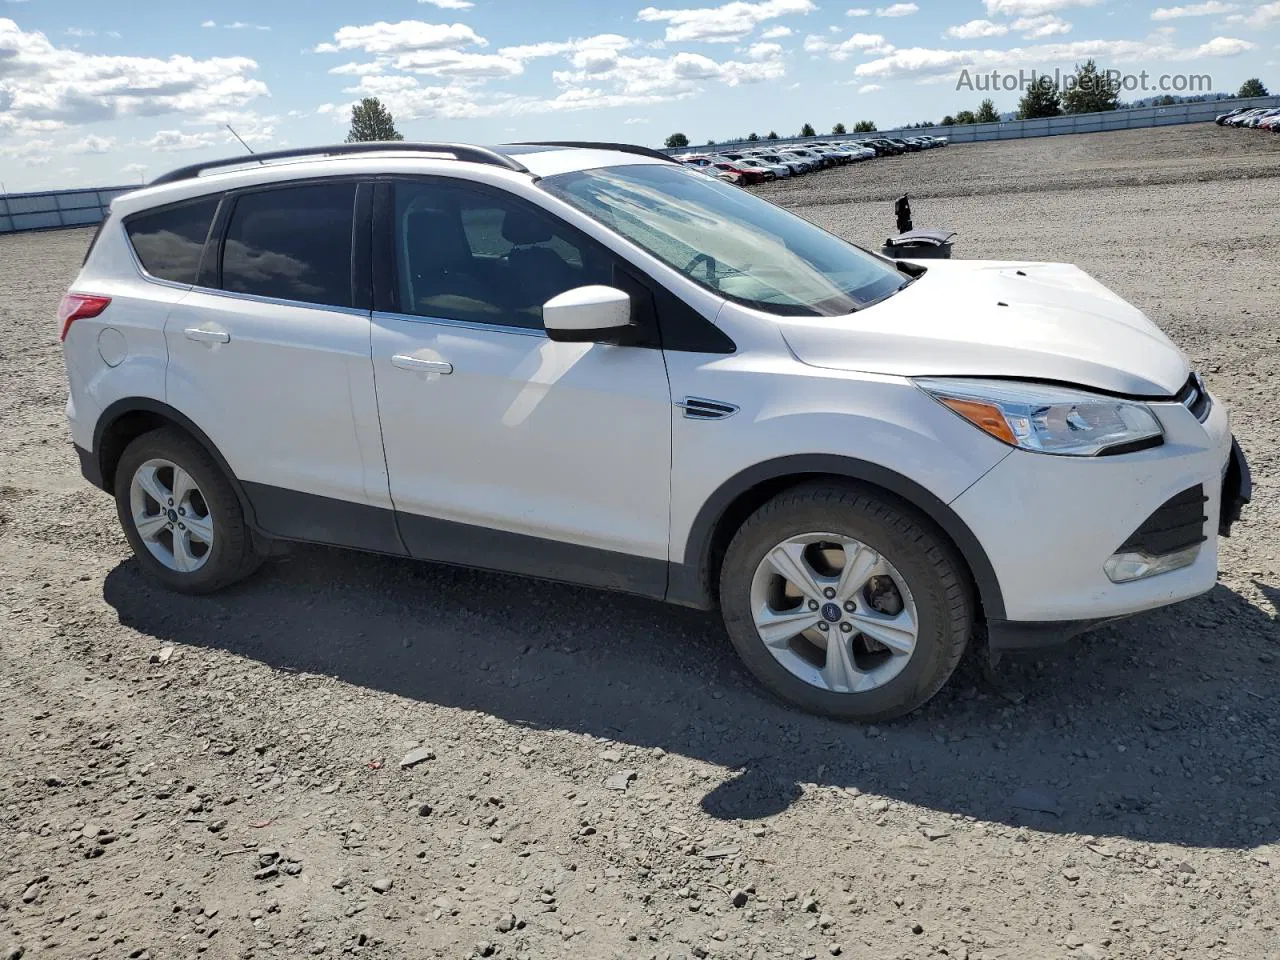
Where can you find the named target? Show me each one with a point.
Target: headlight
(1048, 419)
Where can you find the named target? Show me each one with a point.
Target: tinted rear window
(169, 242)
(293, 243)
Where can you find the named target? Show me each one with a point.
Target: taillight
(78, 306)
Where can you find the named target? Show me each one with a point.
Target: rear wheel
(181, 515)
(845, 602)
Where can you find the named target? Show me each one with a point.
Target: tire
(908, 550)
(213, 505)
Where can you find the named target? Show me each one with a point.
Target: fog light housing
(1127, 567)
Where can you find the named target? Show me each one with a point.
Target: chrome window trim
(280, 301)
(462, 324)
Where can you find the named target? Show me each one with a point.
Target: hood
(982, 318)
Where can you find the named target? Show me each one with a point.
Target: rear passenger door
(269, 356)
(506, 449)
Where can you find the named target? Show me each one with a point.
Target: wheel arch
(692, 578)
(129, 418)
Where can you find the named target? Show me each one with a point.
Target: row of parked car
(1260, 118)
(777, 162)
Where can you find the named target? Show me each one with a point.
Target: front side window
(476, 255)
(293, 243)
(742, 247)
(169, 242)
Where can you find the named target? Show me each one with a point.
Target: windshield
(744, 248)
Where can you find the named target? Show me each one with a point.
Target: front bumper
(1049, 524)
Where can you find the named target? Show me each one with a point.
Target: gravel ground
(357, 755)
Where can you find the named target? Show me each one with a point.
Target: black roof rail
(589, 145)
(460, 151)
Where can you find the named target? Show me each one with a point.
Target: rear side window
(169, 242)
(293, 243)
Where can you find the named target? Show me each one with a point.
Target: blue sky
(95, 93)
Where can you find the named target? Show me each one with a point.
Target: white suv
(586, 363)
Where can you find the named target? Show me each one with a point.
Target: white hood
(983, 318)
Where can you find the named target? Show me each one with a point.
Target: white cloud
(724, 24)
(897, 10)
(460, 64)
(208, 24)
(975, 29)
(450, 4)
(403, 37)
(858, 12)
(632, 121)
(776, 33)
(764, 51)
(869, 88)
(33, 153)
(1223, 47)
(1210, 9)
(1261, 18)
(79, 32)
(134, 169)
(241, 25)
(859, 43)
(600, 48)
(44, 87)
(923, 62)
(1033, 8)
(175, 141)
(1046, 25)
(92, 144)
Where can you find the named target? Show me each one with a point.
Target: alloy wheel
(834, 612)
(171, 515)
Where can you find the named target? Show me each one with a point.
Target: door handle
(200, 335)
(419, 365)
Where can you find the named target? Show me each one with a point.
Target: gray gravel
(594, 776)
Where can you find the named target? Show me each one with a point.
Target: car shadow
(1162, 728)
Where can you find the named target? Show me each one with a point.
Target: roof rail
(588, 145)
(460, 151)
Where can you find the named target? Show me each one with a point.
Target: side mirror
(594, 314)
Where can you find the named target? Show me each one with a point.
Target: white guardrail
(1126, 119)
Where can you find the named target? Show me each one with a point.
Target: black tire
(933, 571)
(232, 556)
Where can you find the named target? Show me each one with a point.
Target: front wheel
(180, 514)
(845, 602)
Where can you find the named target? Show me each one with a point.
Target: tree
(864, 126)
(711, 143)
(966, 116)
(771, 135)
(1165, 101)
(1252, 88)
(371, 121)
(987, 112)
(948, 121)
(838, 130)
(752, 137)
(1041, 100)
(1090, 90)
(676, 141)
(807, 130)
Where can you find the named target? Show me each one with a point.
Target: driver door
(505, 449)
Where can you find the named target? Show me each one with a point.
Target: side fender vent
(699, 408)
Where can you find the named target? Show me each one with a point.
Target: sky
(104, 94)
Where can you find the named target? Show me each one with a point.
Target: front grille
(1176, 525)
(1195, 397)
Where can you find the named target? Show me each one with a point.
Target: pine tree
(1252, 88)
(1091, 91)
(771, 135)
(752, 137)
(838, 130)
(676, 141)
(987, 112)
(372, 122)
(1041, 100)
(807, 130)
(864, 126)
